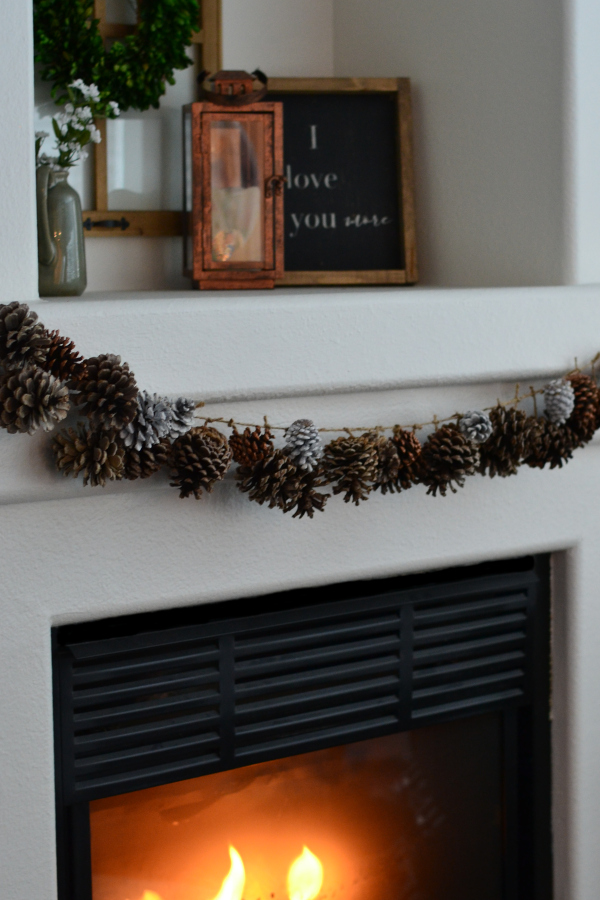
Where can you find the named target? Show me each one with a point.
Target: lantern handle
(274, 182)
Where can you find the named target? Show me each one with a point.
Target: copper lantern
(233, 185)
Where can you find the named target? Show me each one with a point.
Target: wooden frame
(400, 87)
(102, 222)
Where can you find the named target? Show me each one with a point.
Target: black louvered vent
(469, 654)
(144, 713)
(296, 686)
(166, 704)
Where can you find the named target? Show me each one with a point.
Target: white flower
(93, 93)
(41, 135)
(69, 109)
(83, 154)
(79, 85)
(77, 125)
(83, 113)
(115, 107)
(95, 134)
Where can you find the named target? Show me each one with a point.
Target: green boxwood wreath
(134, 70)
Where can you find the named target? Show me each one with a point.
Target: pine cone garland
(199, 458)
(145, 462)
(274, 480)
(351, 465)
(23, 338)
(303, 444)
(514, 437)
(388, 466)
(554, 446)
(583, 419)
(447, 458)
(108, 392)
(250, 447)
(408, 447)
(95, 453)
(559, 398)
(63, 360)
(30, 399)
(151, 422)
(476, 426)
(310, 499)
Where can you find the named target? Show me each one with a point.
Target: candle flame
(305, 876)
(233, 883)
(151, 895)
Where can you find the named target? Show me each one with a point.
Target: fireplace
(366, 740)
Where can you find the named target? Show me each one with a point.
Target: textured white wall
(18, 242)
(488, 103)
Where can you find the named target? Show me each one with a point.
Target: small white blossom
(84, 113)
(115, 107)
(69, 109)
(41, 135)
(93, 93)
(79, 85)
(95, 134)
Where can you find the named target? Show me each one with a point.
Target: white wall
(487, 77)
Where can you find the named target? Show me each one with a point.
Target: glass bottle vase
(61, 247)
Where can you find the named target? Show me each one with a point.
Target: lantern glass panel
(237, 192)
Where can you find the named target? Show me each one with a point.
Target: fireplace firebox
(352, 742)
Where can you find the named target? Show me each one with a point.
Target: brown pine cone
(108, 392)
(582, 420)
(274, 480)
(63, 360)
(97, 454)
(23, 339)
(388, 464)
(351, 465)
(446, 459)
(30, 399)
(514, 437)
(408, 447)
(145, 462)
(310, 499)
(553, 447)
(250, 446)
(199, 458)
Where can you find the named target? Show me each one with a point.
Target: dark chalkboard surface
(343, 197)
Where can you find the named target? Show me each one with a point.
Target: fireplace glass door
(409, 816)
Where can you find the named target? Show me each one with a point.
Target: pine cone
(351, 464)
(559, 397)
(30, 399)
(274, 480)
(447, 458)
(514, 437)
(554, 446)
(63, 360)
(145, 462)
(304, 445)
(180, 416)
(250, 446)
(23, 339)
(388, 464)
(310, 499)
(108, 392)
(476, 426)
(408, 447)
(151, 422)
(582, 421)
(95, 453)
(199, 459)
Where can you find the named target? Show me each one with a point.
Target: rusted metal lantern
(233, 185)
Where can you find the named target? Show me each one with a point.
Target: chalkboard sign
(349, 212)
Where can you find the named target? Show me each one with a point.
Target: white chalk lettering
(301, 184)
(358, 221)
(312, 221)
(329, 180)
(315, 179)
(331, 220)
(313, 137)
(297, 220)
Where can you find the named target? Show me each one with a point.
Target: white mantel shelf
(251, 345)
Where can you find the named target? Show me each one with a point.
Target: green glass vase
(61, 247)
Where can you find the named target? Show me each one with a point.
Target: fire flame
(305, 876)
(233, 883)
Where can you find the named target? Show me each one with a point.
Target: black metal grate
(168, 704)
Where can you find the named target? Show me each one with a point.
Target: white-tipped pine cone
(560, 400)
(150, 425)
(303, 444)
(180, 416)
(476, 426)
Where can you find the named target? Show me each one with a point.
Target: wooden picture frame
(400, 88)
(102, 222)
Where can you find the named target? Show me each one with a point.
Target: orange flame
(305, 876)
(233, 883)
(151, 895)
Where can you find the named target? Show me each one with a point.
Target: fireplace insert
(361, 741)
